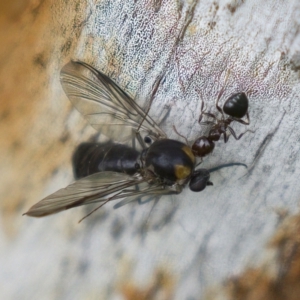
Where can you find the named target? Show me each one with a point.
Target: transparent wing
(99, 187)
(104, 104)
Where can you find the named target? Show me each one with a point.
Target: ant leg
(217, 103)
(246, 122)
(207, 123)
(204, 113)
(234, 134)
(186, 141)
(201, 110)
(221, 93)
(226, 137)
(248, 119)
(209, 115)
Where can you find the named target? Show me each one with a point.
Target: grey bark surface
(197, 239)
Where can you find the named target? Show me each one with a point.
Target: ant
(236, 107)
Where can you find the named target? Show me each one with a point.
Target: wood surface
(238, 239)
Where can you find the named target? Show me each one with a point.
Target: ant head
(203, 146)
(199, 180)
(236, 105)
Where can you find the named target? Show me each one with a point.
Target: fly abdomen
(90, 158)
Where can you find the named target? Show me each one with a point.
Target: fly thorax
(170, 160)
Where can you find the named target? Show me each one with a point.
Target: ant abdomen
(203, 146)
(236, 105)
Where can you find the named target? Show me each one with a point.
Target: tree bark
(187, 246)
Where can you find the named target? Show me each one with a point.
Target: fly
(116, 171)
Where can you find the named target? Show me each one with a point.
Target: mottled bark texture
(186, 248)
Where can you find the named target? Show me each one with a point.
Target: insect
(116, 171)
(236, 107)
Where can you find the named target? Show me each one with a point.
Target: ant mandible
(236, 107)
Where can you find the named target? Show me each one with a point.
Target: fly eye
(147, 140)
(199, 180)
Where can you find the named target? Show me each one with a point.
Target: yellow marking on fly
(182, 172)
(188, 151)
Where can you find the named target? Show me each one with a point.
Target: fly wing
(99, 187)
(104, 104)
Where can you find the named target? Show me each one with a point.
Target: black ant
(236, 107)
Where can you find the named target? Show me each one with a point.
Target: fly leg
(165, 116)
(140, 139)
